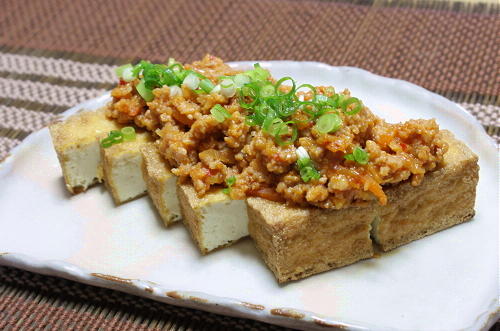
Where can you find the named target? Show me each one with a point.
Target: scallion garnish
(124, 72)
(229, 182)
(228, 88)
(283, 129)
(240, 80)
(257, 74)
(143, 91)
(128, 133)
(359, 155)
(328, 123)
(117, 136)
(220, 113)
(192, 81)
(351, 101)
(206, 85)
(306, 166)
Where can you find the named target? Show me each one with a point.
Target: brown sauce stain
(200, 300)
(112, 278)
(174, 295)
(149, 289)
(329, 325)
(5, 157)
(287, 313)
(253, 306)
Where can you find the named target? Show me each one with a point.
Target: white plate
(445, 281)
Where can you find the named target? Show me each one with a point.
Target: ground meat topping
(201, 149)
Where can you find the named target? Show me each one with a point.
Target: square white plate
(446, 281)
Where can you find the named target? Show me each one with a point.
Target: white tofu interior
(127, 177)
(82, 165)
(223, 221)
(170, 200)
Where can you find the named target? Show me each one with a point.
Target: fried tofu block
(122, 168)
(444, 198)
(298, 242)
(161, 184)
(77, 148)
(214, 221)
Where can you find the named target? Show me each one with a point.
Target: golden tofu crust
(298, 242)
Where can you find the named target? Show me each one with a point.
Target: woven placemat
(55, 54)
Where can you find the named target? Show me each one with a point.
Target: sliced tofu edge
(76, 147)
(161, 184)
(122, 168)
(214, 221)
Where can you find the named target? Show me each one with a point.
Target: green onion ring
(144, 92)
(305, 104)
(284, 79)
(176, 65)
(106, 142)
(292, 138)
(243, 93)
(330, 122)
(128, 133)
(220, 113)
(309, 86)
(350, 101)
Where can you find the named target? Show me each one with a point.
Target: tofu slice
(214, 221)
(77, 148)
(445, 198)
(122, 168)
(298, 242)
(161, 184)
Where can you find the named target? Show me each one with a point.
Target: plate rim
(289, 317)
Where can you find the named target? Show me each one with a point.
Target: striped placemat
(55, 54)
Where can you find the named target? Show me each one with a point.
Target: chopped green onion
(311, 108)
(352, 100)
(119, 70)
(240, 80)
(229, 182)
(206, 85)
(258, 73)
(192, 81)
(106, 142)
(116, 137)
(320, 98)
(227, 88)
(267, 90)
(216, 89)
(171, 61)
(144, 92)
(220, 113)
(310, 87)
(175, 91)
(359, 155)
(250, 90)
(170, 78)
(128, 75)
(305, 165)
(328, 123)
(281, 81)
(128, 133)
(226, 83)
(124, 72)
(284, 129)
